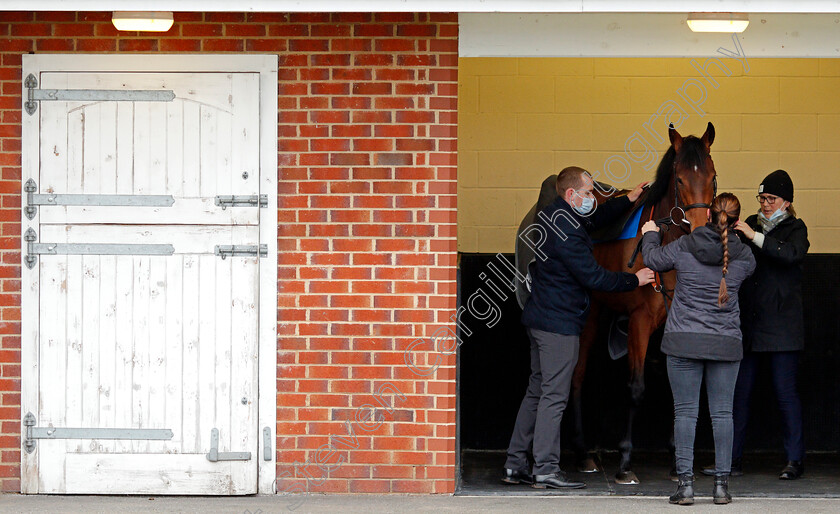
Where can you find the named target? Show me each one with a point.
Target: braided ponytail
(725, 210)
(722, 224)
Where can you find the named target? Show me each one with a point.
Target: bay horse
(684, 187)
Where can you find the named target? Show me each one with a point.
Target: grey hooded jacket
(696, 327)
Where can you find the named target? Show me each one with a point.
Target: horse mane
(693, 153)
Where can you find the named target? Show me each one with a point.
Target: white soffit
(546, 6)
(641, 35)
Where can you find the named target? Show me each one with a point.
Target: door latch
(225, 201)
(215, 455)
(247, 250)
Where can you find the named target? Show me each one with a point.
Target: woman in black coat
(771, 315)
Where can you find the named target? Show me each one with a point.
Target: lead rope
(657, 279)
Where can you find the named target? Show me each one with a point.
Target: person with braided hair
(702, 333)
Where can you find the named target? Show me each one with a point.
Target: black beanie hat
(777, 183)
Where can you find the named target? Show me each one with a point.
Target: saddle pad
(630, 227)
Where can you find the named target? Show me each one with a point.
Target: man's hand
(645, 276)
(636, 193)
(650, 226)
(745, 229)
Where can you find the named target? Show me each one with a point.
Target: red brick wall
(366, 194)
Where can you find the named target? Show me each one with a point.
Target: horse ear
(675, 137)
(709, 137)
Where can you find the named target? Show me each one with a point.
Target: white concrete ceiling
(641, 35)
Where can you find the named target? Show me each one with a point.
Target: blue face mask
(586, 206)
(779, 212)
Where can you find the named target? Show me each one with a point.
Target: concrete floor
(393, 503)
(482, 470)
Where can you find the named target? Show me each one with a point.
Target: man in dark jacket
(563, 273)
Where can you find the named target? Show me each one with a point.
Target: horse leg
(637, 342)
(585, 463)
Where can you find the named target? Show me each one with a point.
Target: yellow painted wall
(522, 119)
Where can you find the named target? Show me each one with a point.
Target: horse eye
(679, 181)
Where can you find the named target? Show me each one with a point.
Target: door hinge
(247, 250)
(225, 201)
(215, 455)
(32, 433)
(34, 249)
(34, 200)
(35, 95)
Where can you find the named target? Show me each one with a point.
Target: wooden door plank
(245, 133)
(175, 129)
(53, 356)
(223, 332)
(152, 474)
(124, 366)
(206, 349)
(91, 350)
(175, 347)
(192, 149)
(158, 293)
(140, 383)
(191, 321)
(108, 346)
(125, 148)
(245, 432)
(140, 176)
(106, 178)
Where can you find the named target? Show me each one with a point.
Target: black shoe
(556, 481)
(793, 470)
(513, 476)
(685, 491)
(735, 470)
(721, 491)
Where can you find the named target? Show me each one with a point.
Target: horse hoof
(626, 478)
(588, 466)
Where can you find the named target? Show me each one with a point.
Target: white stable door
(141, 325)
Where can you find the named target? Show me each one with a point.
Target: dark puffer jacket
(696, 327)
(771, 299)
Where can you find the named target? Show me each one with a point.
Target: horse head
(693, 178)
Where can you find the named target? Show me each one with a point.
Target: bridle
(669, 220)
(659, 285)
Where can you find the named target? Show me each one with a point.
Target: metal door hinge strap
(266, 443)
(215, 455)
(35, 95)
(33, 433)
(33, 200)
(225, 201)
(249, 250)
(34, 249)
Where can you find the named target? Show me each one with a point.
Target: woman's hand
(743, 228)
(650, 226)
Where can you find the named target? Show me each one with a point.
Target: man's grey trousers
(553, 359)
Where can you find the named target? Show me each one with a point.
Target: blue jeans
(686, 376)
(783, 368)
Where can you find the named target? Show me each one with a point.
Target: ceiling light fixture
(718, 21)
(144, 21)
